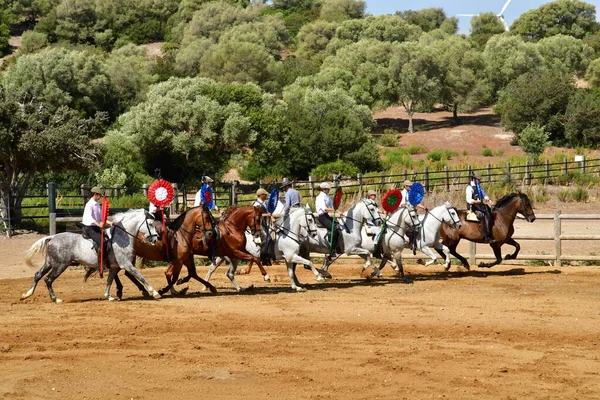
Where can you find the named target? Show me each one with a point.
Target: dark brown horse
(504, 214)
(229, 241)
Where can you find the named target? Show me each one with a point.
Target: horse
(64, 248)
(504, 213)
(229, 241)
(394, 239)
(182, 235)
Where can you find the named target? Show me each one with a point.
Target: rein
(145, 240)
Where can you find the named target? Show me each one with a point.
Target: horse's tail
(40, 245)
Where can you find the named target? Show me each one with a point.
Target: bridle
(367, 203)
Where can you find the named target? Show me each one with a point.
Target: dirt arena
(512, 332)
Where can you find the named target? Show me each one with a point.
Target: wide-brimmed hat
(371, 193)
(407, 183)
(208, 179)
(261, 191)
(476, 175)
(285, 182)
(324, 185)
(97, 189)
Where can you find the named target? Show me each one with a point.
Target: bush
(580, 194)
(397, 158)
(416, 149)
(339, 167)
(32, 41)
(488, 152)
(534, 140)
(388, 139)
(564, 195)
(438, 155)
(366, 158)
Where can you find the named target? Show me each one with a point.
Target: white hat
(324, 185)
(285, 182)
(208, 179)
(407, 183)
(261, 191)
(371, 193)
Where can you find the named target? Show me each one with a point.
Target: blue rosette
(416, 194)
(273, 200)
(206, 196)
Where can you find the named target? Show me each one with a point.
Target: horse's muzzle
(531, 218)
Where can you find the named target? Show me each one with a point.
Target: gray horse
(64, 248)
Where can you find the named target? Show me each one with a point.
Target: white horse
(394, 239)
(64, 248)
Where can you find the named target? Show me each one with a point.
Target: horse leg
(517, 247)
(171, 273)
(113, 276)
(216, 263)
(128, 266)
(262, 269)
(246, 270)
(135, 282)
(427, 251)
(440, 250)
(296, 285)
(54, 273)
(398, 258)
(231, 276)
(193, 273)
(497, 252)
(36, 277)
(460, 258)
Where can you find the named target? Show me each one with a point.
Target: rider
(207, 180)
(261, 201)
(476, 199)
(92, 221)
(292, 197)
(324, 206)
(406, 204)
(372, 229)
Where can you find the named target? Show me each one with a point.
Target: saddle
(472, 216)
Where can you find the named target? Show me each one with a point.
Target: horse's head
(451, 216)
(525, 207)
(204, 221)
(311, 224)
(147, 228)
(369, 212)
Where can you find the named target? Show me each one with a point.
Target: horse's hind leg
(231, 276)
(36, 277)
(128, 266)
(112, 276)
(497, 253)
(460, 258)
(135, 282)
(54, 273)
(517, 247)
(440, 250)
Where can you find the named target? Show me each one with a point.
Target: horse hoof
(320, 279)
(300, 289)
(180, 281)
(156, 295)
(213, 290)
(110, 298)
(58, 301)
(267, 278)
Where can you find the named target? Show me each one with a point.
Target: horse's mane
(507, 199)
(120, 216)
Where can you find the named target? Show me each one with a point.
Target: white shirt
(322, 202)
(404, 201)
(469, 193)
(197, 199)
(91, 213)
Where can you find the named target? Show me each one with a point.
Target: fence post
(261, 183)
(469, 174)
(52, 207)
(547, 170)
(566, 166)
(176, 198)
(311, 188)
(360, 189)
(184, 198)
(583, 165)
(527, 173)
(426, 173)
(447, 177)
(508, 177)
(557, 244)
(84, 190)
(405, 175)
(472, 252)
(382, 179)
(117, 190)
(234, 193)
(489, 172)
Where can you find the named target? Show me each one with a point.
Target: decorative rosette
(416, 194)
(391, 200)
(273, 200)
(160, 193)
(337, 197)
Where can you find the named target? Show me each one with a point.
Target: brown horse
(230, 241)
(504, 214)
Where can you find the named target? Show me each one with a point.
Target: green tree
(484, 26)
(35, 139)
(534, 140)
(508, 57)
(428, 19)
(582, 121)
(32, 41)
(567, 17)
(593, 74)
(188, 58)
(324, 125)
(565, 52)
(462, 83)
(179, 130)
(313, 39)
(415, 75)
(341, 10)
(270, 33)
(4, 36)
(538, 97)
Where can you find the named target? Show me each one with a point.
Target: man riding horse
(476, 199)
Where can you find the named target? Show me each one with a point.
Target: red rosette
(160, 193)
(337, 197)
(207, 197)
(391, 200)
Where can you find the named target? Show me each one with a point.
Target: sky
(453, 7)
